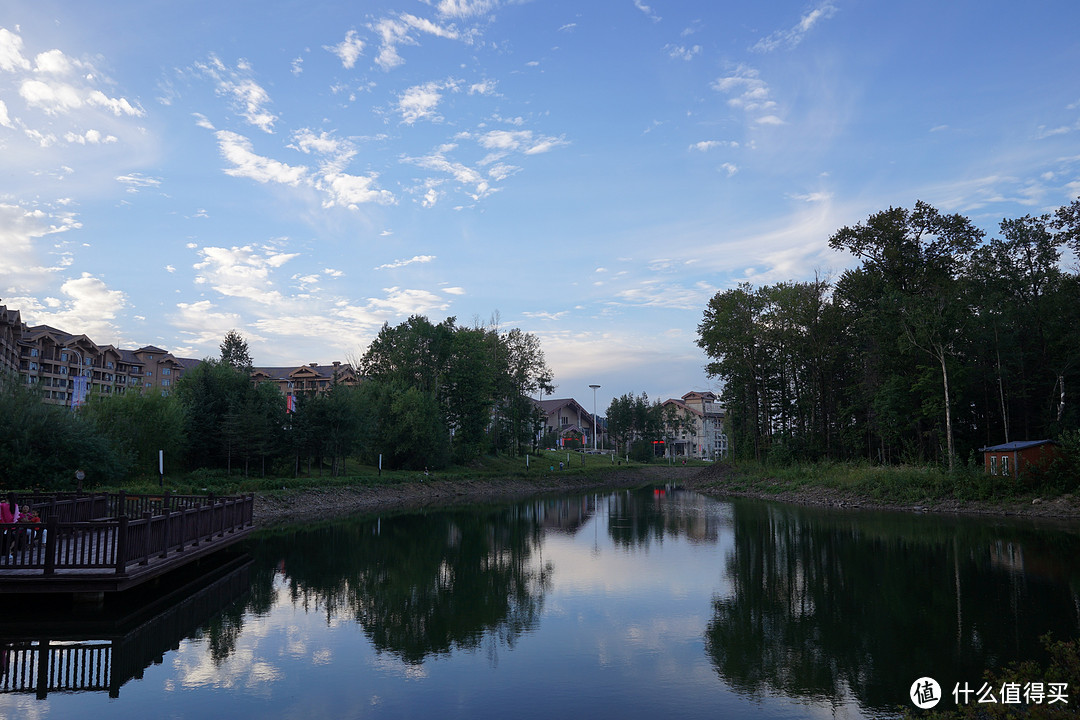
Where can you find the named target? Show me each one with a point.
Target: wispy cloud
(247, 97)
(707, 145)
(649, 13)
(402, 263)
(403, 29)
(791, 37)
(682, 52)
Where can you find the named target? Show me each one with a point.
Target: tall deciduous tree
(918, 258)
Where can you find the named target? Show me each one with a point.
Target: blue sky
(589, 172)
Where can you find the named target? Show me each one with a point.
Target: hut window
(1004, 464)
(993, 464)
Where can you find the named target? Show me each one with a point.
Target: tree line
(429, 395)
(939, 342)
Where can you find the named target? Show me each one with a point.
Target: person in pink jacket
(9, 513)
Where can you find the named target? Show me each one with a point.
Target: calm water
(643, 604)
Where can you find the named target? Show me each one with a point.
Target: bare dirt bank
(433, 492)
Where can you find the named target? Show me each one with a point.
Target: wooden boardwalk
(110, 543)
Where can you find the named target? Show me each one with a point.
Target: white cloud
(349, 49)
(463, 174)
(90, 137)
(729, 168)
(242, 272)
(465, 8)
(484, 87)
(651, 293)
(204, 327)
(813, 197)
(248, 98)
(769, 120)
(706, 145)
(419, 102)
(402, 263)
(137, 181)
(350, 191)
(747, 89)
(647, 10)
(22, 268)
(791, 37)
(237, 149)
(52, 99)
(118, 106)
(5, 119)
(90, 306)
(11, 57)
(682, 52)
(54, 62)
(402, 30)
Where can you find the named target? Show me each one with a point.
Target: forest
(939, 342)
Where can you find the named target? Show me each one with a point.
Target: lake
(625, 604)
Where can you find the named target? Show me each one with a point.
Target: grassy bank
(899, 486)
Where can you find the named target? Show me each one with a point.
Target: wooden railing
(76, 507)
(90, 658)
(116, 543)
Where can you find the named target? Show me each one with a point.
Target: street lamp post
(594, 430)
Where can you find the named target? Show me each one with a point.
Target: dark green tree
(234, 351)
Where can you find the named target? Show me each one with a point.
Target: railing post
(146, 545)
(167, 519)
(121, 544)
(51, 543)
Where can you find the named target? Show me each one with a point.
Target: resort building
(307, 379)
(571, 421)
(699, 431)
(69, 368)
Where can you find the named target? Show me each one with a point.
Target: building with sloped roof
(1011, 459)
(306, 379)
(568, 418)
(68, 367)
(700, 426)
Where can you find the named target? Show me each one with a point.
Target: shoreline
(336, 501)
(715, 481)
(719, 482)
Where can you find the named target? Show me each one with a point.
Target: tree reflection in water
(826, 604)
(422, 584)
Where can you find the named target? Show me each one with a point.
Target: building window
(33, 352)
(63, 357)
(164, 383)
(166, 371)
(149, 373)
(993, 464)
(1005, 465)
(110, 364)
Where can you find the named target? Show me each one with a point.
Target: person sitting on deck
(26, 538)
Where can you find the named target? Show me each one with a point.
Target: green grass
(486, 468)
(907, 484)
